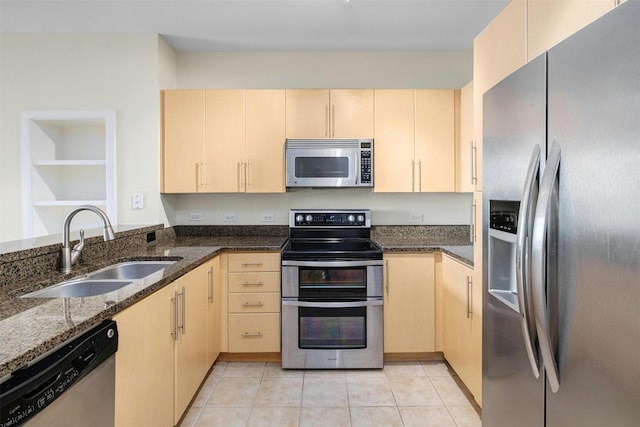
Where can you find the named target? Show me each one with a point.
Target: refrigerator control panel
(503, 215)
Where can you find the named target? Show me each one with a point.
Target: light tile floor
(423, 394)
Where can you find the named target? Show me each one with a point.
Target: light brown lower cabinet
(253, 302)
(462, 323)
(409, 303)
(163, 354)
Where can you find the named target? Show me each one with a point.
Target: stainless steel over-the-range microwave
(329, 162)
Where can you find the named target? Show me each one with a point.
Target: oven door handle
(329, 263)
(349, 304)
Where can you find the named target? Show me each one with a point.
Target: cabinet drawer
(254, 302)
(254, 333)
(258, 261)
(254, 282)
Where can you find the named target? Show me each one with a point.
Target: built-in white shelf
(68, 159)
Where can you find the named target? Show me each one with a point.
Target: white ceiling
(266, 25)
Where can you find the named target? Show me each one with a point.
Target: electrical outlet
(268, 217)
(415, 217)
(195, 216)
(230, 217)
(137, 201)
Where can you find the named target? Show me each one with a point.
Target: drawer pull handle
(252, 283)
(259, 304)
(251, 264)
(247, 334)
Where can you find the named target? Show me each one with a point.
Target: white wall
(281, 70)
(89, 71)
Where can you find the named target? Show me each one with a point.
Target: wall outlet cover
(195, 216)
(268, 217)
(230, 217)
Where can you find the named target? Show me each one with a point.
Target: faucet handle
(77, 249)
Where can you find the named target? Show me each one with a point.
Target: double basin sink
(102, 281)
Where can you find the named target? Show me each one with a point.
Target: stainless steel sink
(102, 281)
(79, 288)
(132, 270)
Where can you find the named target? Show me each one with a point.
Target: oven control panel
(315, 218)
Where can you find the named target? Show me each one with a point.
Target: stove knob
(308, 218)
(351, 218)
(360, 218)
(299, 218)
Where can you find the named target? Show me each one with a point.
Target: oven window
(322, 167)
(332, 277)
(332, 328)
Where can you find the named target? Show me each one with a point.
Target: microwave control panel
(366, 163)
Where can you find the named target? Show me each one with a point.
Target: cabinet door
(351, 113)
(214, 303)
(265, 135)
(307, 113)
(224, 141)
(550, 22)
(409, 303)
(394, 140)
(144, 373)
(466, 152)
(191, 348)
(435, 140)
(462, 323)
(183, 115)
(498, 50)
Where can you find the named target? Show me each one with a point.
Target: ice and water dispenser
(503, 226)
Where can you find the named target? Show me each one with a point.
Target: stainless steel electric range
(331, 291)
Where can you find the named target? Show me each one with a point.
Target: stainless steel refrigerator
(561, 233)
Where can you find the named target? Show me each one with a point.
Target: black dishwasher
(74, 385)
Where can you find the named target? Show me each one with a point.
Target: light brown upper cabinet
(182, 140)
(435, 140)
(323, 113)
(224, 141)
(467, 153)
(265, 125)
(550, 22)
(414, 140)
(394, 140)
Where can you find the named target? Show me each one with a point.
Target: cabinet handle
(251, 264)
(252, 283)
(326, 121)
(210, 285)
(472, 228)
(248, 334)
(239, 179)
(420, 175)
(247, 177)
(175, 315)
(386, 268)
(469, 285)
(474, 160)
(259, 304)
(333, 120)
(184, 306)
(413, 175)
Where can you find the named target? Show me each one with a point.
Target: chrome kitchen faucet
(70, 256)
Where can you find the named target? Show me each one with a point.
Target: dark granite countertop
(31, 327)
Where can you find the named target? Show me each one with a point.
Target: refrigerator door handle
(525, 224)
(539, 264)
